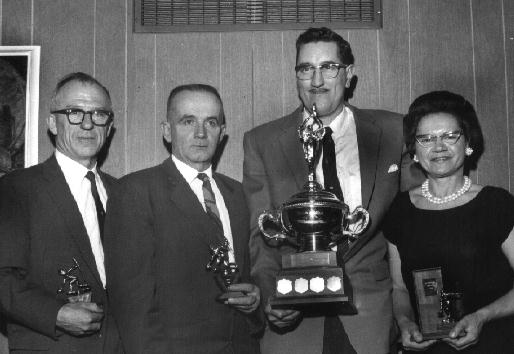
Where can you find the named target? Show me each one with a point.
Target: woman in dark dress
(452, 223)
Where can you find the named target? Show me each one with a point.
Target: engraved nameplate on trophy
(314, 220)
(438, 310)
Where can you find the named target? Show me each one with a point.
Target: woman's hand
(466, 331)
(412, 338)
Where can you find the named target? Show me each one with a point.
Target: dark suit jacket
(41, 231)
(157, 248)
(275, 169)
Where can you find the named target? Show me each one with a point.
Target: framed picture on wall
(19, 106)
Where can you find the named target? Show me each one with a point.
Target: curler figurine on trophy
(314, 221)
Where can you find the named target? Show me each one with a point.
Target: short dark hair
(196, 88)
(324, 34)
(79, 77)
(450, 103)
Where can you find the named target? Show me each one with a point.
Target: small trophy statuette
(225, 272)
(72, 286)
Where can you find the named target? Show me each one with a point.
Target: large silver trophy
(315, 221)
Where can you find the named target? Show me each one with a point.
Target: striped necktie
(210, 200)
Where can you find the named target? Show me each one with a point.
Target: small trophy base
(311, 277)
(433, 323)
(229, 295)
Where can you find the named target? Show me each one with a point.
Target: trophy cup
(74, 289)
(225, 272)
(438, 310)
(313, 220)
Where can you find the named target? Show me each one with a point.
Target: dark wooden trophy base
(311, 277)
(429, 285)
(229, 295)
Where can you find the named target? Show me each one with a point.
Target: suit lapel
(60, 193)
(368, 141)
(292, 148)
(185, 201)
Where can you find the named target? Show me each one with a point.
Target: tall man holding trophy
(360, 164)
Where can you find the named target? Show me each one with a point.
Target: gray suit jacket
(275, 169)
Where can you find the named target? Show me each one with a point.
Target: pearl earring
(468, 151)
(415, 159)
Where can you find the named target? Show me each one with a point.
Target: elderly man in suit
(360, 162)
(52, 277)
(162, 224)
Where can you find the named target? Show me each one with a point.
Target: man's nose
(87, 122)
(199, 131)
(317, 78)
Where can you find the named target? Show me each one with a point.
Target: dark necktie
(210, 200)
(335, 339)
(100, 212)
(328, 163)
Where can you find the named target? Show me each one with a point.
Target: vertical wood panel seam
(283, 74)
(506, 91)
(155, 98)
(31, 22)
(409, 51)
(252, 78)
(473, 65)
(125, 91)
(473, 61)
(220, 82)
(378, 70)
(94, 38)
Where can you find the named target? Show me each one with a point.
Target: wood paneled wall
(466, 46)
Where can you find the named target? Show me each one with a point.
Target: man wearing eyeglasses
(52, 276)
(360, 163)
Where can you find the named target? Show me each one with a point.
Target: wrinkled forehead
(80, 94)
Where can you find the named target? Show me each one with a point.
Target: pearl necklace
(436, 200)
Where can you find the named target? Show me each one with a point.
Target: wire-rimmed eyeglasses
(327, 70)
(75, 116)
(448, 138)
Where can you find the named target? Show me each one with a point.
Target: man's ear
(222, 133)
(51, 124)
(349, 75)
(166, 131)
(109, 128)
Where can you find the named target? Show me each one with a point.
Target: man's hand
(281, 318)
(466, 331)
(247, 303)
(412, 338)
(80, 318)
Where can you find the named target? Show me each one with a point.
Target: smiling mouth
(440, 158)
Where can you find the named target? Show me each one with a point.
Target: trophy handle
(355, 223)
(273, 217)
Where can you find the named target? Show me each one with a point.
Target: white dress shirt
(75, 175)
(191, 176)
(344, 134)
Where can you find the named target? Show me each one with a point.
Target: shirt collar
(188, 172)
(71, 169)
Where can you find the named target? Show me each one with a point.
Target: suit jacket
(157, 247)
(41, 231)
(275, 169)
